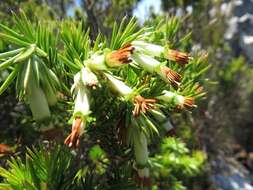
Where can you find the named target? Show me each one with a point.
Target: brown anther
(173, 77)
(120, 56)
(187, 103)
(142, 105)
(72, 139)
(180, 57)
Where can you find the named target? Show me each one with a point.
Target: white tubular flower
(89, 79)
(96, 63)
(38, 103)
(82, 105)
(178, 100)
(152, 65)
(81, 109)
(84, 78)
(148, 48)
(141, 156)
(146, 62)
(119, 86)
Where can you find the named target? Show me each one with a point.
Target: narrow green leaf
(10, 53)
(27, 74)
(25, 54)
(36, 71)
(41, 52)
(13, 40)
(69, 64)
(9, 80)
(8, 62)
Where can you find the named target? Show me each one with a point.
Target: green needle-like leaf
(10, 53)
(9, 80)
(13, 40)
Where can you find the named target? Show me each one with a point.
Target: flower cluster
(148, 79)
(146, 57)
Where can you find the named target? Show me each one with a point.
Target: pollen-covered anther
(120, 56)
(181, 58)
(173, 77)
(142, 105)
(189, 102)
(72, 139)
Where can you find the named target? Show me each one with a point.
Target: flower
(119, 86)
(84, 78)
(168, 74)
(81, 111)
(154, 50)
(178, 100)
(177, 56)
(152, 65)
(89, 79)
(142, 105)
(119, 57)
(148, 48)
(146, 62)
(38, 103)
(141, 156)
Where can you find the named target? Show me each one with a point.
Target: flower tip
(181, 58)
(142, 105)
(120, 57)
(73, 138)
(173, 77)
(189, 102)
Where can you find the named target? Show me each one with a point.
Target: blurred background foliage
(220, 126)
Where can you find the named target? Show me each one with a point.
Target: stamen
(142, 105)
(180, 57)
(120, 56)
(73, 138)
(173, 77)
